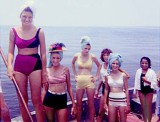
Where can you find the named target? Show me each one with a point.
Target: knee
(36, 100)
(79, 108)
(25, 98)
(90, 103)
(91, 106)
(38, 105)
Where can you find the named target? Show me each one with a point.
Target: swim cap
(111, 59)
(84, 41)
(30, 4)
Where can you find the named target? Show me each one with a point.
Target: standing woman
(103, 72)
(55, 100)
(156, 117)
(29, 65)
(145, 83)
(84, 78)
(116, 84)
(158, 98)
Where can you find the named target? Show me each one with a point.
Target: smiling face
(55, 59)
(26, 17)
(144, 64)
(115, 65)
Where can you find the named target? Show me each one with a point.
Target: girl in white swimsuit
(116, 84)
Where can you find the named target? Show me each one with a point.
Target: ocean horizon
(131, 42)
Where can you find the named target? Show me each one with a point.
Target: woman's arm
(43, 51)
(106, 91)
(43, 58)
(151, 78)
(73, 65)
(98, 67)
(99, 86)
(125, 79)
(121, 70)
(126, 89)
(69, 88)
(146, 81)
(10, 56)
(136, 84)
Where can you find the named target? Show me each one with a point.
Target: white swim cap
(30, 4)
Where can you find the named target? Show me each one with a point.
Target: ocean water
(131, 42)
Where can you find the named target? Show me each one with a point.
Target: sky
(101, 13)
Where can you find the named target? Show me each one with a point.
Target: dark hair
(27, 9)
(148, 60)
(104, 51)
(88, 44)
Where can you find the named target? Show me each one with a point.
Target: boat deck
(134, 116)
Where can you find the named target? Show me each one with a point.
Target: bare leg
(62, 115)
(146, 102)
(112, 111)
(22, 82)
(35, 84)
(79, 95)
(122, 113)
(149, 98)
(101, 110)
(90, 95)
(50, 113)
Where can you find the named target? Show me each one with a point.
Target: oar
(17, 88)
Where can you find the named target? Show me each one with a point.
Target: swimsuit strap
(38, 32)
(14, 31)
(15, 34)
(64, 69)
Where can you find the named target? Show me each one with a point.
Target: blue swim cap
(111, 59)
(84, 41)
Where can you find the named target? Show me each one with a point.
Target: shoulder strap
(15, 34)
(14, 31)
(63, 70)
(103, 65)
(38, 32)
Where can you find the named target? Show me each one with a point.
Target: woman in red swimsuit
(29, 65)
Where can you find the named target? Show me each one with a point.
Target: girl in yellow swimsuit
(84, 78)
